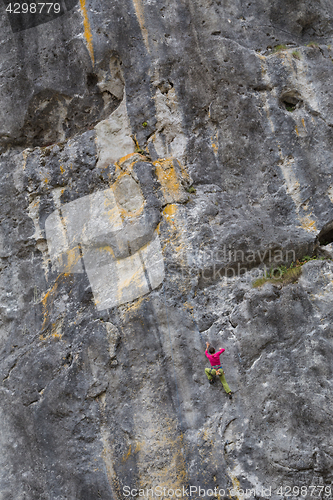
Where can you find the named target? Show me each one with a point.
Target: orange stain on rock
(170, 211)
(87, 32)
(168, 179)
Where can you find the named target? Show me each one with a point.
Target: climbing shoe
(212, 381)
(230, 395)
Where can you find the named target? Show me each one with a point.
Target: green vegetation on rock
(314, 45)
(278, 48)
(284, 275)
(296, 54)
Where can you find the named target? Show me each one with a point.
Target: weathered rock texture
(153, 157)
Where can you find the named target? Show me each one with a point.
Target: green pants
(210, 372)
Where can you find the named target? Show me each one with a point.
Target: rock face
(155, 158)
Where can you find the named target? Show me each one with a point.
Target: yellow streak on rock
(235, 484)
(56, 328)
(139, 10)
(128, 454)
(188, 306)
(168, 178)
(87, 32)
(106, 248)
(125, 158)
(170, 211)
(48, 299)
(296, 129)
(49, 294)
(308, 224)
(111, 210)
(214, 142)
(125, 164)
(263, 58)
(177, 232)
(57, 335)
(133, 306)
(125, 213)
(138, 447)
(73, 257)
(136, 277)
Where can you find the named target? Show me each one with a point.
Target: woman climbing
(214, 359)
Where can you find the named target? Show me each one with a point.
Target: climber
(214, 359)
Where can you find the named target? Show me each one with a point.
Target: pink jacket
(214, 358)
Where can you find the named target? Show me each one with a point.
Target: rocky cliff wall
(155, 158)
